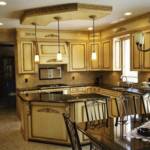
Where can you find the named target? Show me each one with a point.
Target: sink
(119, 88)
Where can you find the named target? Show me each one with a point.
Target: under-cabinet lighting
(1, 24)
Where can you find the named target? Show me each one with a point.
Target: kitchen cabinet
(48, 52)
(77, 57)
(146, 56)
(106, 57)
(136, 56)
(26, 57)
(47, 122)
(94, 64)
(140, 61)
(78, 90)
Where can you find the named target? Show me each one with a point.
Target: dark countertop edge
(62, 101)
(105, 86)
(68, 86)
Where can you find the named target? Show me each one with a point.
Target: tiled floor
(11, 138)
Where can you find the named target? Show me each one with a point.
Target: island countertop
(59, 98)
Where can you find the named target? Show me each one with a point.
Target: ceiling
(11, 13)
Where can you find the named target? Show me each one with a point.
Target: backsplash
(144, 76)
(67, 78)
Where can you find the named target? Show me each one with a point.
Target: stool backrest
(72, 132)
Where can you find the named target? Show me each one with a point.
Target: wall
(8, 36)
(144, 76)
(67, 78)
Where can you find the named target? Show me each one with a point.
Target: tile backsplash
(32, 80)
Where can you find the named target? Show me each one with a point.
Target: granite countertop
(49, 97)
(134, 90)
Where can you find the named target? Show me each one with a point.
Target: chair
(73, 135)
(72, 132)
(122, 109)
(96, 111)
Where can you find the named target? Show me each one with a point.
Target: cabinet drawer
(78, 90)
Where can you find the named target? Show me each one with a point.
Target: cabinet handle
(48, 110)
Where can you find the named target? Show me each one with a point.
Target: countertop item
(52, 97)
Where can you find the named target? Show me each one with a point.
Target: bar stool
(97, 111)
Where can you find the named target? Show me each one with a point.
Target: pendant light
(93, 56)
(59, 54)
(36, 57)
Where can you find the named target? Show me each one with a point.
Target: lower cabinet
(47, 122)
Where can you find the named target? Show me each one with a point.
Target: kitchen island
(41, 115)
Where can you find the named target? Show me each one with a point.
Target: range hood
(48, 53)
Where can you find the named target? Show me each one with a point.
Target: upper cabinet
(26, 57)
(77, 56)
(146, 55)
(106, 57)
(93, 64)
(136, 56)
(140, 61)
(48, 52)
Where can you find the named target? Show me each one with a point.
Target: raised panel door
(135, 56)
(26, 58)
(78, 57)
(146, 55)
(107, 55)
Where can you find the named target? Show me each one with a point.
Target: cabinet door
(135, 56)
(107, 54)
(47, 122)
(94, 64)
(146, 56)
(77, 57)
(26, 58)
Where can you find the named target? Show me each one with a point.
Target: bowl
(144, 132)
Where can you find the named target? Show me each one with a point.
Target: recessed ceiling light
(1, 23)
(3, 3)
(128, 13)
(90, 28)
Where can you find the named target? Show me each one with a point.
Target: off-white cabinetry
(47, 122)
(26, 54)
(48, 52)
(140, 61)
(106, 59)
(77, 57)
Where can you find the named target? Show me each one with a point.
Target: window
(131, 76)
(122, 53)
